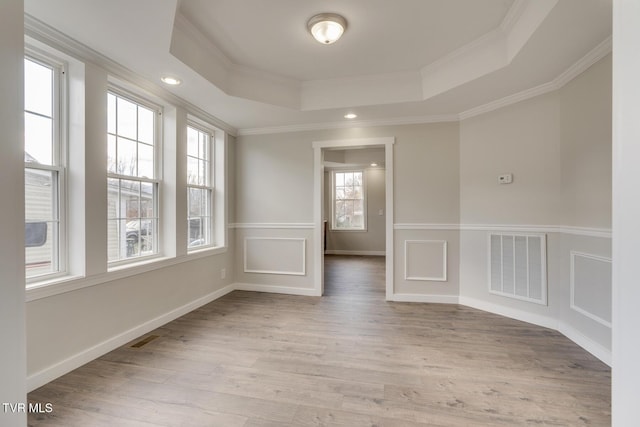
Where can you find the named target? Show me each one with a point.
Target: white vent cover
(518, 266)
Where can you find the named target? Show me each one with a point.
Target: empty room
(309, 213)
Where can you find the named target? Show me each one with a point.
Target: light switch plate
(505, 179)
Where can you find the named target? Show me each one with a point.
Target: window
(44, 169)
(199, 187)
(348, 201)
(132, 178)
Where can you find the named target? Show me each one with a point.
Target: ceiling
(253, 65)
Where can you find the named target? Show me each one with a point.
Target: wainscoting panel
(275, 255)
(591, 286)
(425, 260)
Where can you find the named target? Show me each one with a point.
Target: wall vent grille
(518, 266)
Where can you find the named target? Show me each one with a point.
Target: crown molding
(579, 67)
(594, 55)
(350, 124)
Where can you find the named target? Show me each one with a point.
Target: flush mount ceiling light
(350, 116)
(173, 81)
(327, 28)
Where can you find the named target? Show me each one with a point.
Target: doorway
(321, 148)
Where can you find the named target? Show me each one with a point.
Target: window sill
(61, 285)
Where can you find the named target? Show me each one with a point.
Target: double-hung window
(132, 177)
(44, 169)
(349, 211)
(200, 187)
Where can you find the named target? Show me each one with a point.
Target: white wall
(557, 146)
(274, 176)
(12, 323)
(626, 211)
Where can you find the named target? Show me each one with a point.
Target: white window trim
(156, 181)
(364, 201)
(60, 159)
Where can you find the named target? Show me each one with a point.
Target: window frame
(156, 181)
(364, 200)
(210, 185)
(59, 162)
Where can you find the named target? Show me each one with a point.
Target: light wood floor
(347, 359)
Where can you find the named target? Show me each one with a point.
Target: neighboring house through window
(132, 177)
(348, 200)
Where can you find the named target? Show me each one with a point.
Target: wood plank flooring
(347, 359)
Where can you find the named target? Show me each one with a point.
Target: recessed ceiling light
(173, 81)
(374, 164)
(350, 116)
(327, 28)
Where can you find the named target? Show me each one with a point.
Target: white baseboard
(365, 253)
(585, 342)
(513, 313)
(439, 299)
(46, 375)
(255, 287)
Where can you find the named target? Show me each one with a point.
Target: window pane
(38, 88)
(130, 199)
(192, 142)
(339, 179)
(111, 113)
(357, 178)
(39, 195)
(192, 170)
(147, 207)
(127, 157)
(41, 227)
(127, 118)
(348, 192)
(111, 153)
(113, 198)
(145, 125)
(204, 143)
(357, 192)
(38, 139)
(195, 202)
(202, 173)
(340, 193)
(145, 161)
(348, 179)
(40, 249)
(113, 240)
(199, 220)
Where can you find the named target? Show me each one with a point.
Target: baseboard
(255, 287)
(361, 253)
(513, 313)
(47, 375)
(585, 342)
(439, 299)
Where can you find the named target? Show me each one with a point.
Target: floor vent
(145, 341)
(518, 266)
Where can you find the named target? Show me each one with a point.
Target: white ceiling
(253, 65)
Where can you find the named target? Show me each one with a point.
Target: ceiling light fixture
(350, 116)
(171, 80)
(327, 28)
(374, 165)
